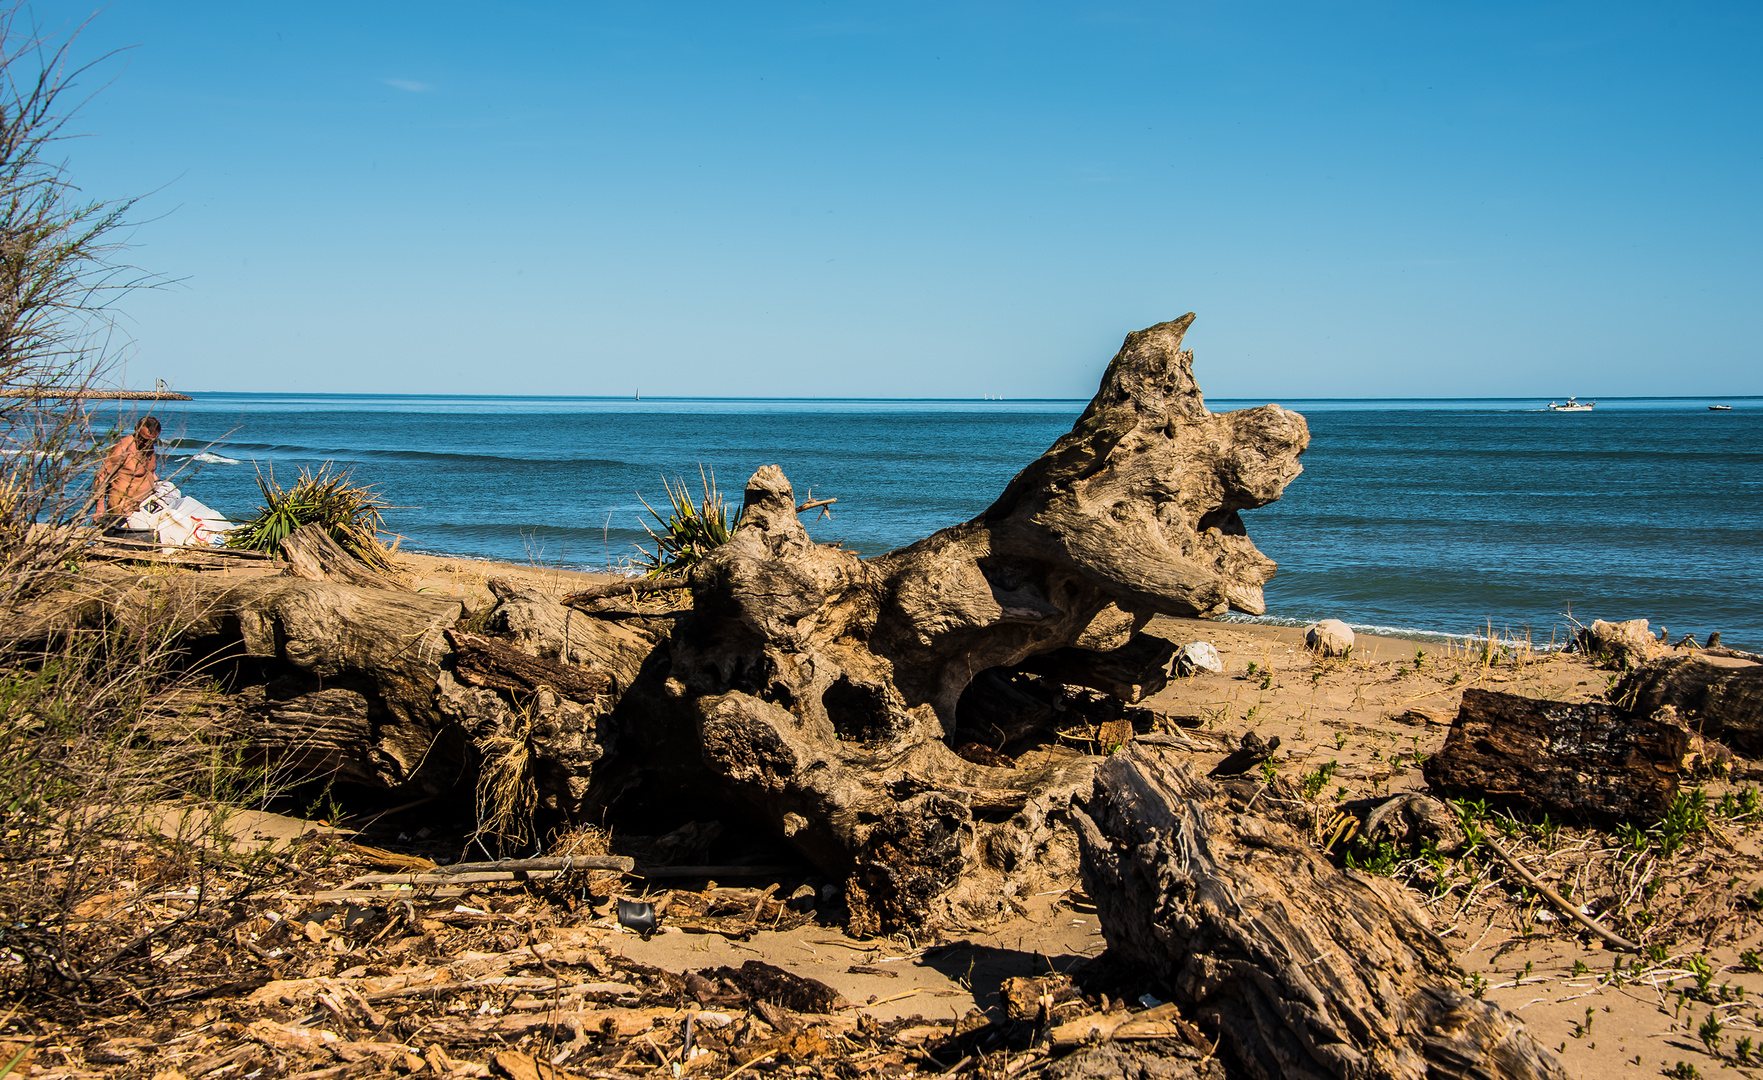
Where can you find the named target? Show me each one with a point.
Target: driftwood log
(1719, 696)
(313, 555)
(1297, 968)
(821, 688)
(804, 692)
(1589, 762)
(633, 588)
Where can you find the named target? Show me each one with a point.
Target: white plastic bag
(179, 520)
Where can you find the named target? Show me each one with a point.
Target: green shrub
(347, 511)
(690, 531)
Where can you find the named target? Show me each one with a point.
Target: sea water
(1412, 517)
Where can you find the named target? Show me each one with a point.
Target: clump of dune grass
(114, 780)
(331, 499)
(690, 531)
(581, 839)
(506, 792)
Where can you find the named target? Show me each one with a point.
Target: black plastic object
(639, 917)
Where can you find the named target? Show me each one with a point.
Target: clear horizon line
(1061, 400)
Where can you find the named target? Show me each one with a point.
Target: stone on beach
(1624, 643)
(1330, 637)
(1197, 656)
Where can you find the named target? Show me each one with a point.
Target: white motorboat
(1573, 405)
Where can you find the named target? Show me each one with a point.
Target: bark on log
(313, 555)
(1719, 696)
(1297, 968)
(1133, 672)
(358, 684)
(482, 661)
(539, 625)
(387, 648)
(632, 588)
(1591, 762)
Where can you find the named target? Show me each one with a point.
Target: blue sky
(951, 199)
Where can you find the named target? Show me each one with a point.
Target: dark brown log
(632, 588)
(244, 554)
(1295, 967)
(1131, 673)
(313, 555)
(1721, 697)
(1735, 654)
(1589, 762)
(486, 662)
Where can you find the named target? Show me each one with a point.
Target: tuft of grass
(506, 792)
(347, 511)
(1315, 780)
(1686, 817)
(690, 531)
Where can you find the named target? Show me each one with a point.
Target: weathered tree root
(1297, 968)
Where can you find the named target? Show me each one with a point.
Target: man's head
(147, 432)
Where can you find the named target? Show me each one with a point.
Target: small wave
(1410, 633)
(429, 457)
(208, 458)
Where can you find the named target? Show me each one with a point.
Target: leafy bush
(691, 531)
(348, 511)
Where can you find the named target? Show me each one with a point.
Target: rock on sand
(1197, 656)
(1330, 637)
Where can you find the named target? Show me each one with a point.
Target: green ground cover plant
(690, 530)
(350, 513)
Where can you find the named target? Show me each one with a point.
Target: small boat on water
(1573, 405)
(1720, 408)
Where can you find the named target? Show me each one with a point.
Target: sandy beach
(1362, 725)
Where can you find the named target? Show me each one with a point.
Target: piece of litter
(1148, 1001)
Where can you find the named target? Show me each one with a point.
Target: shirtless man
(128, 474)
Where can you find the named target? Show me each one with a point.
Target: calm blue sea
(1411, 516)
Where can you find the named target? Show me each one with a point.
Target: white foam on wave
(208, 458)
(1408, 632)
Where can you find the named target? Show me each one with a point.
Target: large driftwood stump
(1297, 968)
(822, 687)
(1719, 696)
(1589, 762)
